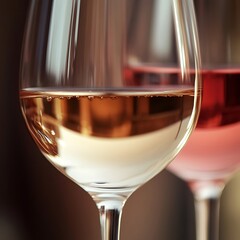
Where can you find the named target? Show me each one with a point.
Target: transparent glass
(212, 155)
(110, 92)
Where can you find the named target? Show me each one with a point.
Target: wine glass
(212, 155)
(110, 92)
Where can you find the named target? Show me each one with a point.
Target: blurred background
(37, 202)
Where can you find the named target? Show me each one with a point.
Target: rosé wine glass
(212, 155)
(110, 92)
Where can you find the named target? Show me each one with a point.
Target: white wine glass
(110, 92)
(212, 155)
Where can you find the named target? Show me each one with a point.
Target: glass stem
(207, 218)
(207, 209)
(110, 219)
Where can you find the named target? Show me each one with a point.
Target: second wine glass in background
(212, 155)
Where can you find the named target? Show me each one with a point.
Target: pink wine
(108, 140)
(213, 150)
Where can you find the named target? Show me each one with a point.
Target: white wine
(112, 140)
